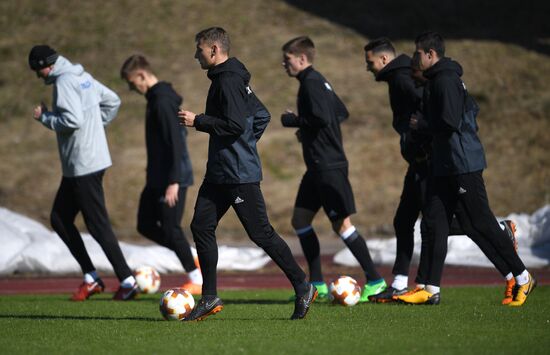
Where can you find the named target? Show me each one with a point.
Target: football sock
(312, 252)
(433, 289)
(128, 282)
(348, 233)
(358, 247)
(195, 276)
(522, 278)
(90, 277)
(509, 276)
(422, 286)
(400, 282)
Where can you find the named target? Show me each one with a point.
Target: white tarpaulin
(533, 234)
(26, 246)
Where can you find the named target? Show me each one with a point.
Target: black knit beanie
(42, 56)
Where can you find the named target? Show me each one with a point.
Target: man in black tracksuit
(169, 170)
(458, 160)
(325, 183)
(405, 99)
(235, 120)
(406, 102)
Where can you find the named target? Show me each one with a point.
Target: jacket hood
(63, 66)
(231, 65)
(162, 88)
(443, 65)
(402, 61)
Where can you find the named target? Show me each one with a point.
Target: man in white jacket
(81, 107)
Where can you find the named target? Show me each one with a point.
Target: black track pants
(465, 196)
(162, 224)
(213, 201)
(85, 194)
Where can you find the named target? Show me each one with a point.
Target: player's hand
(288, 119)
(171, 195)
(39, 110)
(187, 118)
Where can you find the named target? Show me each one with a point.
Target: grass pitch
(256, 322)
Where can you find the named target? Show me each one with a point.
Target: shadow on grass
(131, 301)
(255, 318)
(262, 301)
(525, 24)
(54, 317)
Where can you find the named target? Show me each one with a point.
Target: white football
(345, 291)
(176, 304)
(148, 279)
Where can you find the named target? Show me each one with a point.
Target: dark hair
(301, 45)
(134, 62)
(378, 45)
(214, 35)
(431, 40)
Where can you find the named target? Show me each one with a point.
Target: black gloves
(289, 119)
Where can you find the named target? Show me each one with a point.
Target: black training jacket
(405, 100)
(167, 156)
(233, 124)
(456, 148)
(320, 112)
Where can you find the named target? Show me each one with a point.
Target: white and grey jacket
(81, 107)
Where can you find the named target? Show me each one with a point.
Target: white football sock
(433, 289)
(400, 282)
(90, 277)
(128, 282)
(522, 278)
(509, 276)
(422, 286)
(348, 232)
(195, 276)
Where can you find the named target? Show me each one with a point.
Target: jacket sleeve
(409, 97)
(318, 111)
(68, 115)
(341, 110)
(109, 103)
(231, 96)
(450, 104)
(261, 117)
(166, 113)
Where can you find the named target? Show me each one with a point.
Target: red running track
(268, 277)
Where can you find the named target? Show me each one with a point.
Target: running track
(268, 277)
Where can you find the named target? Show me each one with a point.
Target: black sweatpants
(413, 201)
(410, 205)
(161, 223)
(465, 196)
(85, 194)
(213, 201)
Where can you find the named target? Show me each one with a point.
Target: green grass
(256, 322)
